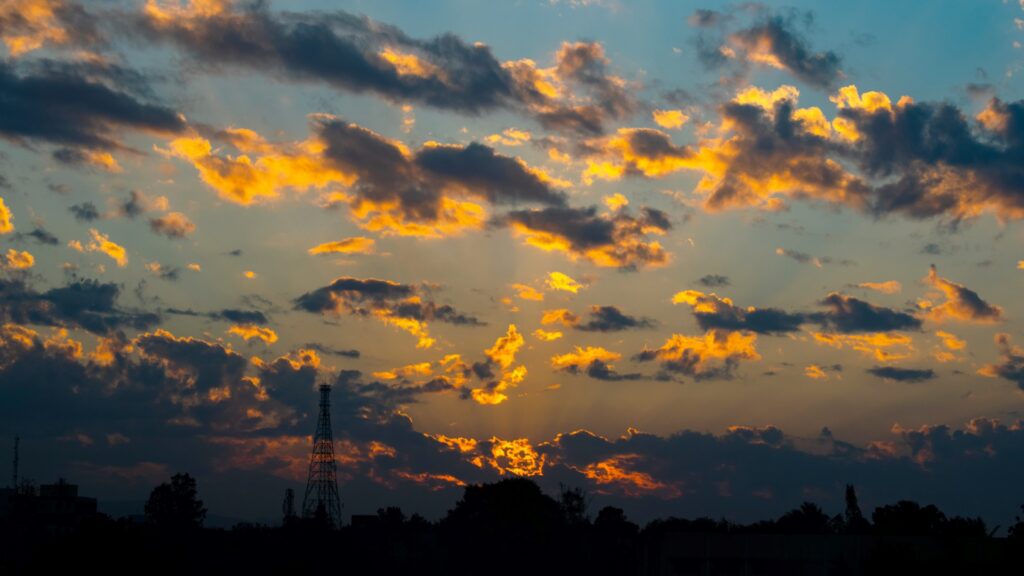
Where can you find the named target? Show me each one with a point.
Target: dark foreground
(511, 527)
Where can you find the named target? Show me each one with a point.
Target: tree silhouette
(853, 519)
(176, 505)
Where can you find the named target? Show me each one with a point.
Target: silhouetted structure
(14, 473)
(54, 508)
(321, 500)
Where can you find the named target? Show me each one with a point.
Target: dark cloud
(86, 304)
(228, 315)
(848, 315)
(902, 374)
(500, 179)
(390, 302)
(62, 106)
(419, 185)
(1011, 362)
(611, 319)
(777, 34)
(345, 353)
(599, 370)
(85, 212)
(619, 239)
(713, 281)
(845, 314)
(355, 54)
(39, 235)
(712, 311)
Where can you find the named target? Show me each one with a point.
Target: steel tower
(322, 484)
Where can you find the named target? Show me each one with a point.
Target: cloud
(902, 374)
(345, 353)
(547, 335)
(357, 55)
(562, 282)
(617, 240)
(713, 281)
(501, 355)
(611, 319)
(669, 119)
(228, 314)
(433, 192)
(816, 372)
(174, 225)
(601, 319)
(251, 331)
(6, 219)
(170, 273)
(883, 346)
(594, 361)
(352, 245)
(39, 235)
(1011, 365)
(18, 260)
(30, 25)
(961, 303)
(102, 243)
(85, 212)
(86, 304)
(774, 42)
(712, 311)
(394, 304)
(716, 354)
(847, 314)
(83, 112)
(527, 292)
(844, 314)
(887, 287)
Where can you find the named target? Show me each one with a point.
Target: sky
(695, 258)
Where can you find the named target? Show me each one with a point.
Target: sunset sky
(696, 258)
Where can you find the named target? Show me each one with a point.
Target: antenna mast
(321, 499)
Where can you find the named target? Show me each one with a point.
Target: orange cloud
(102, 243)
(503, 353)
(510, 137)
(559, 315)
(516, 457)
(961, 302)
(353, 245)
(883, 346)
(887, 287)
(815, 372)
(6, 219)
(408, 371)
(30, 25)
(547, 336)
(240, 179)
(669, 119)
(18, 260)
(711, 355)
(580, 358)
(618, 471)
(563, 282)
(250, 331)
(527, 292)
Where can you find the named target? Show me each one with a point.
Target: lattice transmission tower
(321, 499)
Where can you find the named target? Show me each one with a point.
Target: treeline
(513, 527)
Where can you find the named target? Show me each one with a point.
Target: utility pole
(14, 475)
